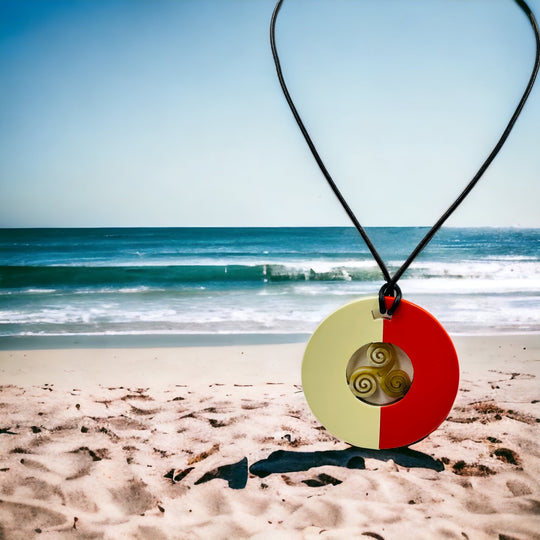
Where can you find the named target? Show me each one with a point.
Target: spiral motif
(382, 355)
(396, 383)
(363, 382)
(366, 380)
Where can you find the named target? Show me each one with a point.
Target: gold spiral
(363, 382)
(382, 355)
(396, 383)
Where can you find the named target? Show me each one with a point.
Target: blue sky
(169, 113)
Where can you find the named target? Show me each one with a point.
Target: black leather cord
(391, 281)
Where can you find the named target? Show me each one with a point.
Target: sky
(136, 113)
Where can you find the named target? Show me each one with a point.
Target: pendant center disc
(379, 373)
(351, 344)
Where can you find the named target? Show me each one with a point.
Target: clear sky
(169, 113)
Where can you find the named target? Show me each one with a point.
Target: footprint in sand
(142, 397)
(34, 464)
(215, 423)
(42, 490)
(250, 405)
(150, 533)
(16, 517)
(321, 513)
(518, 488)
(126, 423)
(217, 504)
(133, 497)
(144, 412)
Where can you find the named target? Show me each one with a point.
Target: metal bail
(392, 290)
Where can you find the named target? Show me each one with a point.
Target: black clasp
(392, 290)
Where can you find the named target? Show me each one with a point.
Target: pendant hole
(379, 373)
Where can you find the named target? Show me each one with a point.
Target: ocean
(218, 285)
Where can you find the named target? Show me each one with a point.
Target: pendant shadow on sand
(283, 461)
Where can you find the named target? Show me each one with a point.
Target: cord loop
(392, 290)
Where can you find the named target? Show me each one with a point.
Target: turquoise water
(279, 281)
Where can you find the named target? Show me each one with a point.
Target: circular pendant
(376, 382)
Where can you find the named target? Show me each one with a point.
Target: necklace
(382, 372)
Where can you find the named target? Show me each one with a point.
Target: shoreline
(219, 362)
(158, 341)
(133, 341)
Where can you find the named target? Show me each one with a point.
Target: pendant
(380, 382)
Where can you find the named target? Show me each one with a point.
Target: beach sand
(218, 442)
